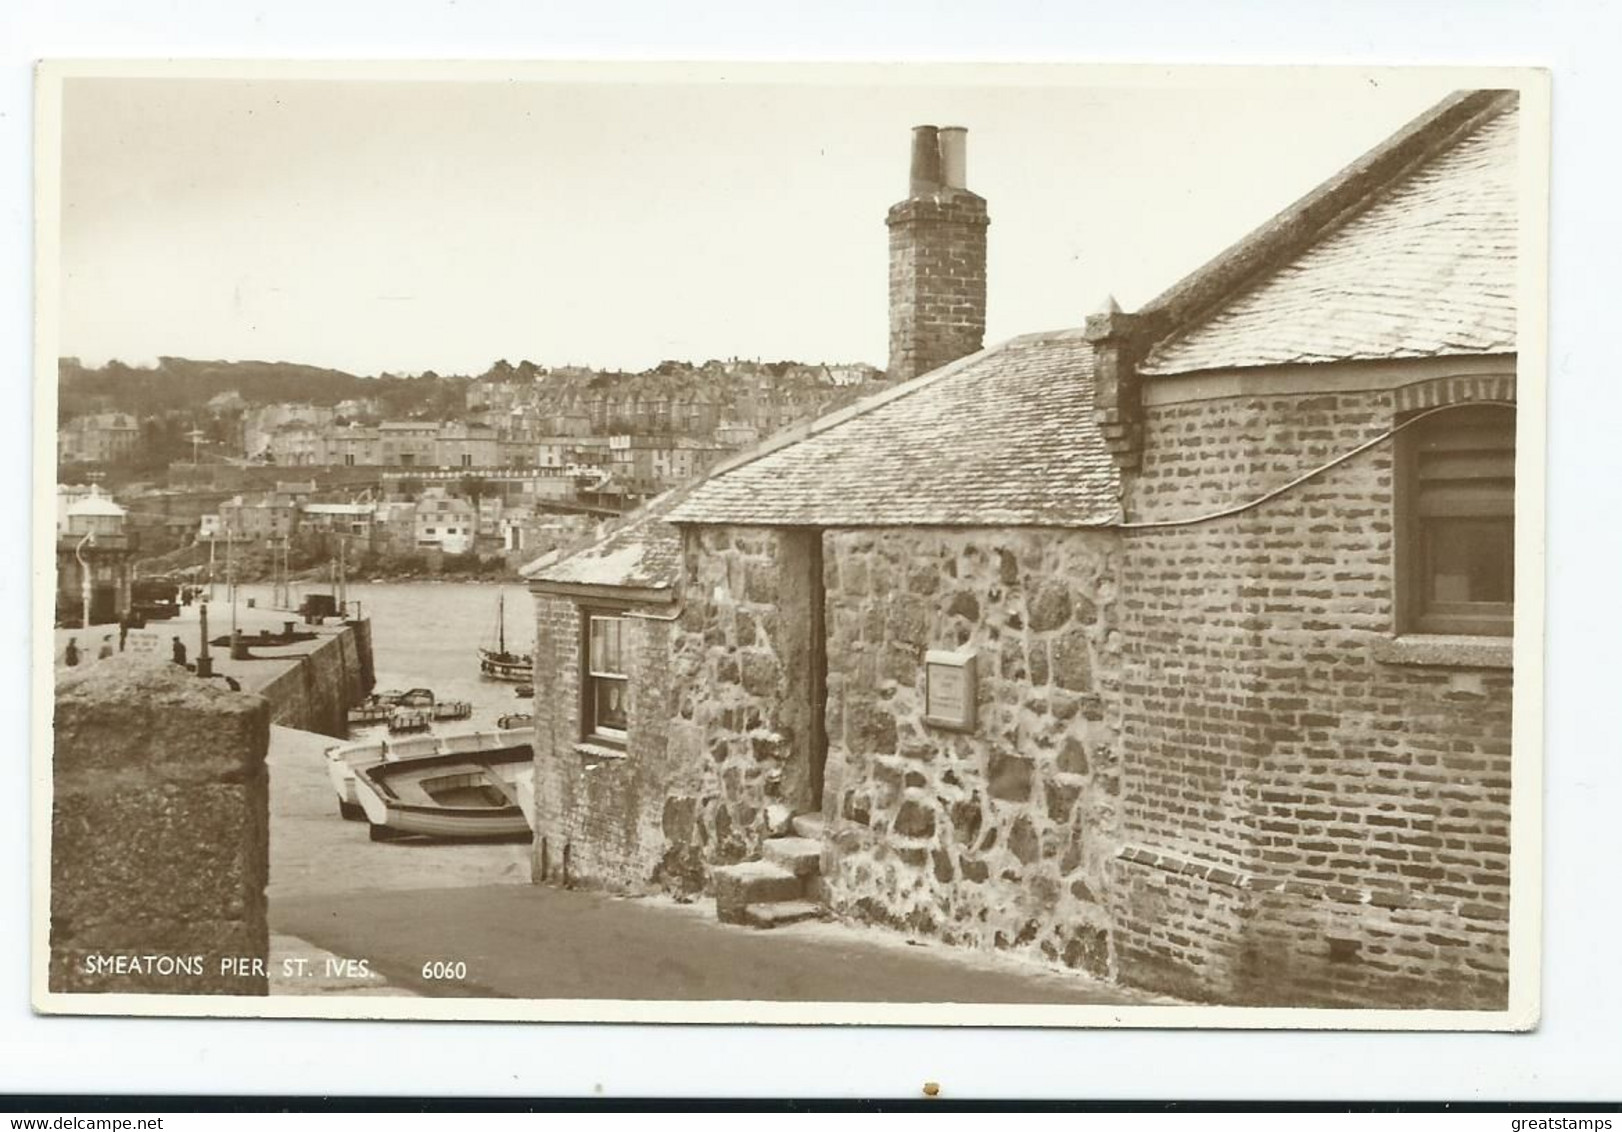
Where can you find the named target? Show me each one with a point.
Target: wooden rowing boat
(462, 794)
(345, 760)
(415, 697)
(369, 712)
(410, 719)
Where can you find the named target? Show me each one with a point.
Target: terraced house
(1174, 647)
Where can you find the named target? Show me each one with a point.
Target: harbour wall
(314, 690)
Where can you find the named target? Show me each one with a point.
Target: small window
(605, 685)
(1457, 545)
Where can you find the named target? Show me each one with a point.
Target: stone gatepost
(160, 836)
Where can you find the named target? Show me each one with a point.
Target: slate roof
(1004, 437)
(642, 552)
(1427, 268)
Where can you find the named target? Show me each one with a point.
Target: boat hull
(345, 760)
(395, 795)
(504, 666)
(524, 787)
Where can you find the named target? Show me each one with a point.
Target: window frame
(1417, 613)
(590, 730)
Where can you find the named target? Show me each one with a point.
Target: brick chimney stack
(937, 258)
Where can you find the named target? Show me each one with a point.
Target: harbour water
(427, 635)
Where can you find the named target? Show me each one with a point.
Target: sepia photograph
(1017, 545)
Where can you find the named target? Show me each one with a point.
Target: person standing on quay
(106, 649)
(70, 655)
(178, 652)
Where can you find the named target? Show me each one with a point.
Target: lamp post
(231, 576)
(86, 588)
(205, 662)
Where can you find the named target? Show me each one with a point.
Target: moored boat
(370, 710)
(403, 719)
(452, 709)
(515, 721)
(415, 697)
(524, 787)
(500, 664)
(342, 763)
(459, 794)
(345, 759)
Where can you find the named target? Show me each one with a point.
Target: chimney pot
(937, 260)
(954, 149)
(925, 178)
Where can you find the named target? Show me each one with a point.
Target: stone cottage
(1174, 648)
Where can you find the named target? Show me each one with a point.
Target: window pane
(1470, 560)
(606, 654)
(608, 701)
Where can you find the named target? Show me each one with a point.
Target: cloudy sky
(616, 219)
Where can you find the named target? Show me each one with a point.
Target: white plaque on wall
(949, 692)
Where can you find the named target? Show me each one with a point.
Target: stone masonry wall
(1000, 837)
(1304, 820)
(315, 692)
(160, 836)
(741, 670)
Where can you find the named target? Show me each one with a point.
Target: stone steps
(780, 888)
(752, 882)
(799, 855)
(775, 915)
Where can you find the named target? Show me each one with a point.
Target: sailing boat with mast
(498, 663)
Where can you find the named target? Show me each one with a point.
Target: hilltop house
(1174, 648)
(99, 438)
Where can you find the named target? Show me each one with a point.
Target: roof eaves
(1325, 209)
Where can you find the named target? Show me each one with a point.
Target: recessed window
(1456, 554)
(605, 684)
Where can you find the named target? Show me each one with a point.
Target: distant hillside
(185, 384)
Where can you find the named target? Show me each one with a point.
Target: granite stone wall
(316, 692)
(741, 671)
(1310, 814)
(159, 833)
(999, 837)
